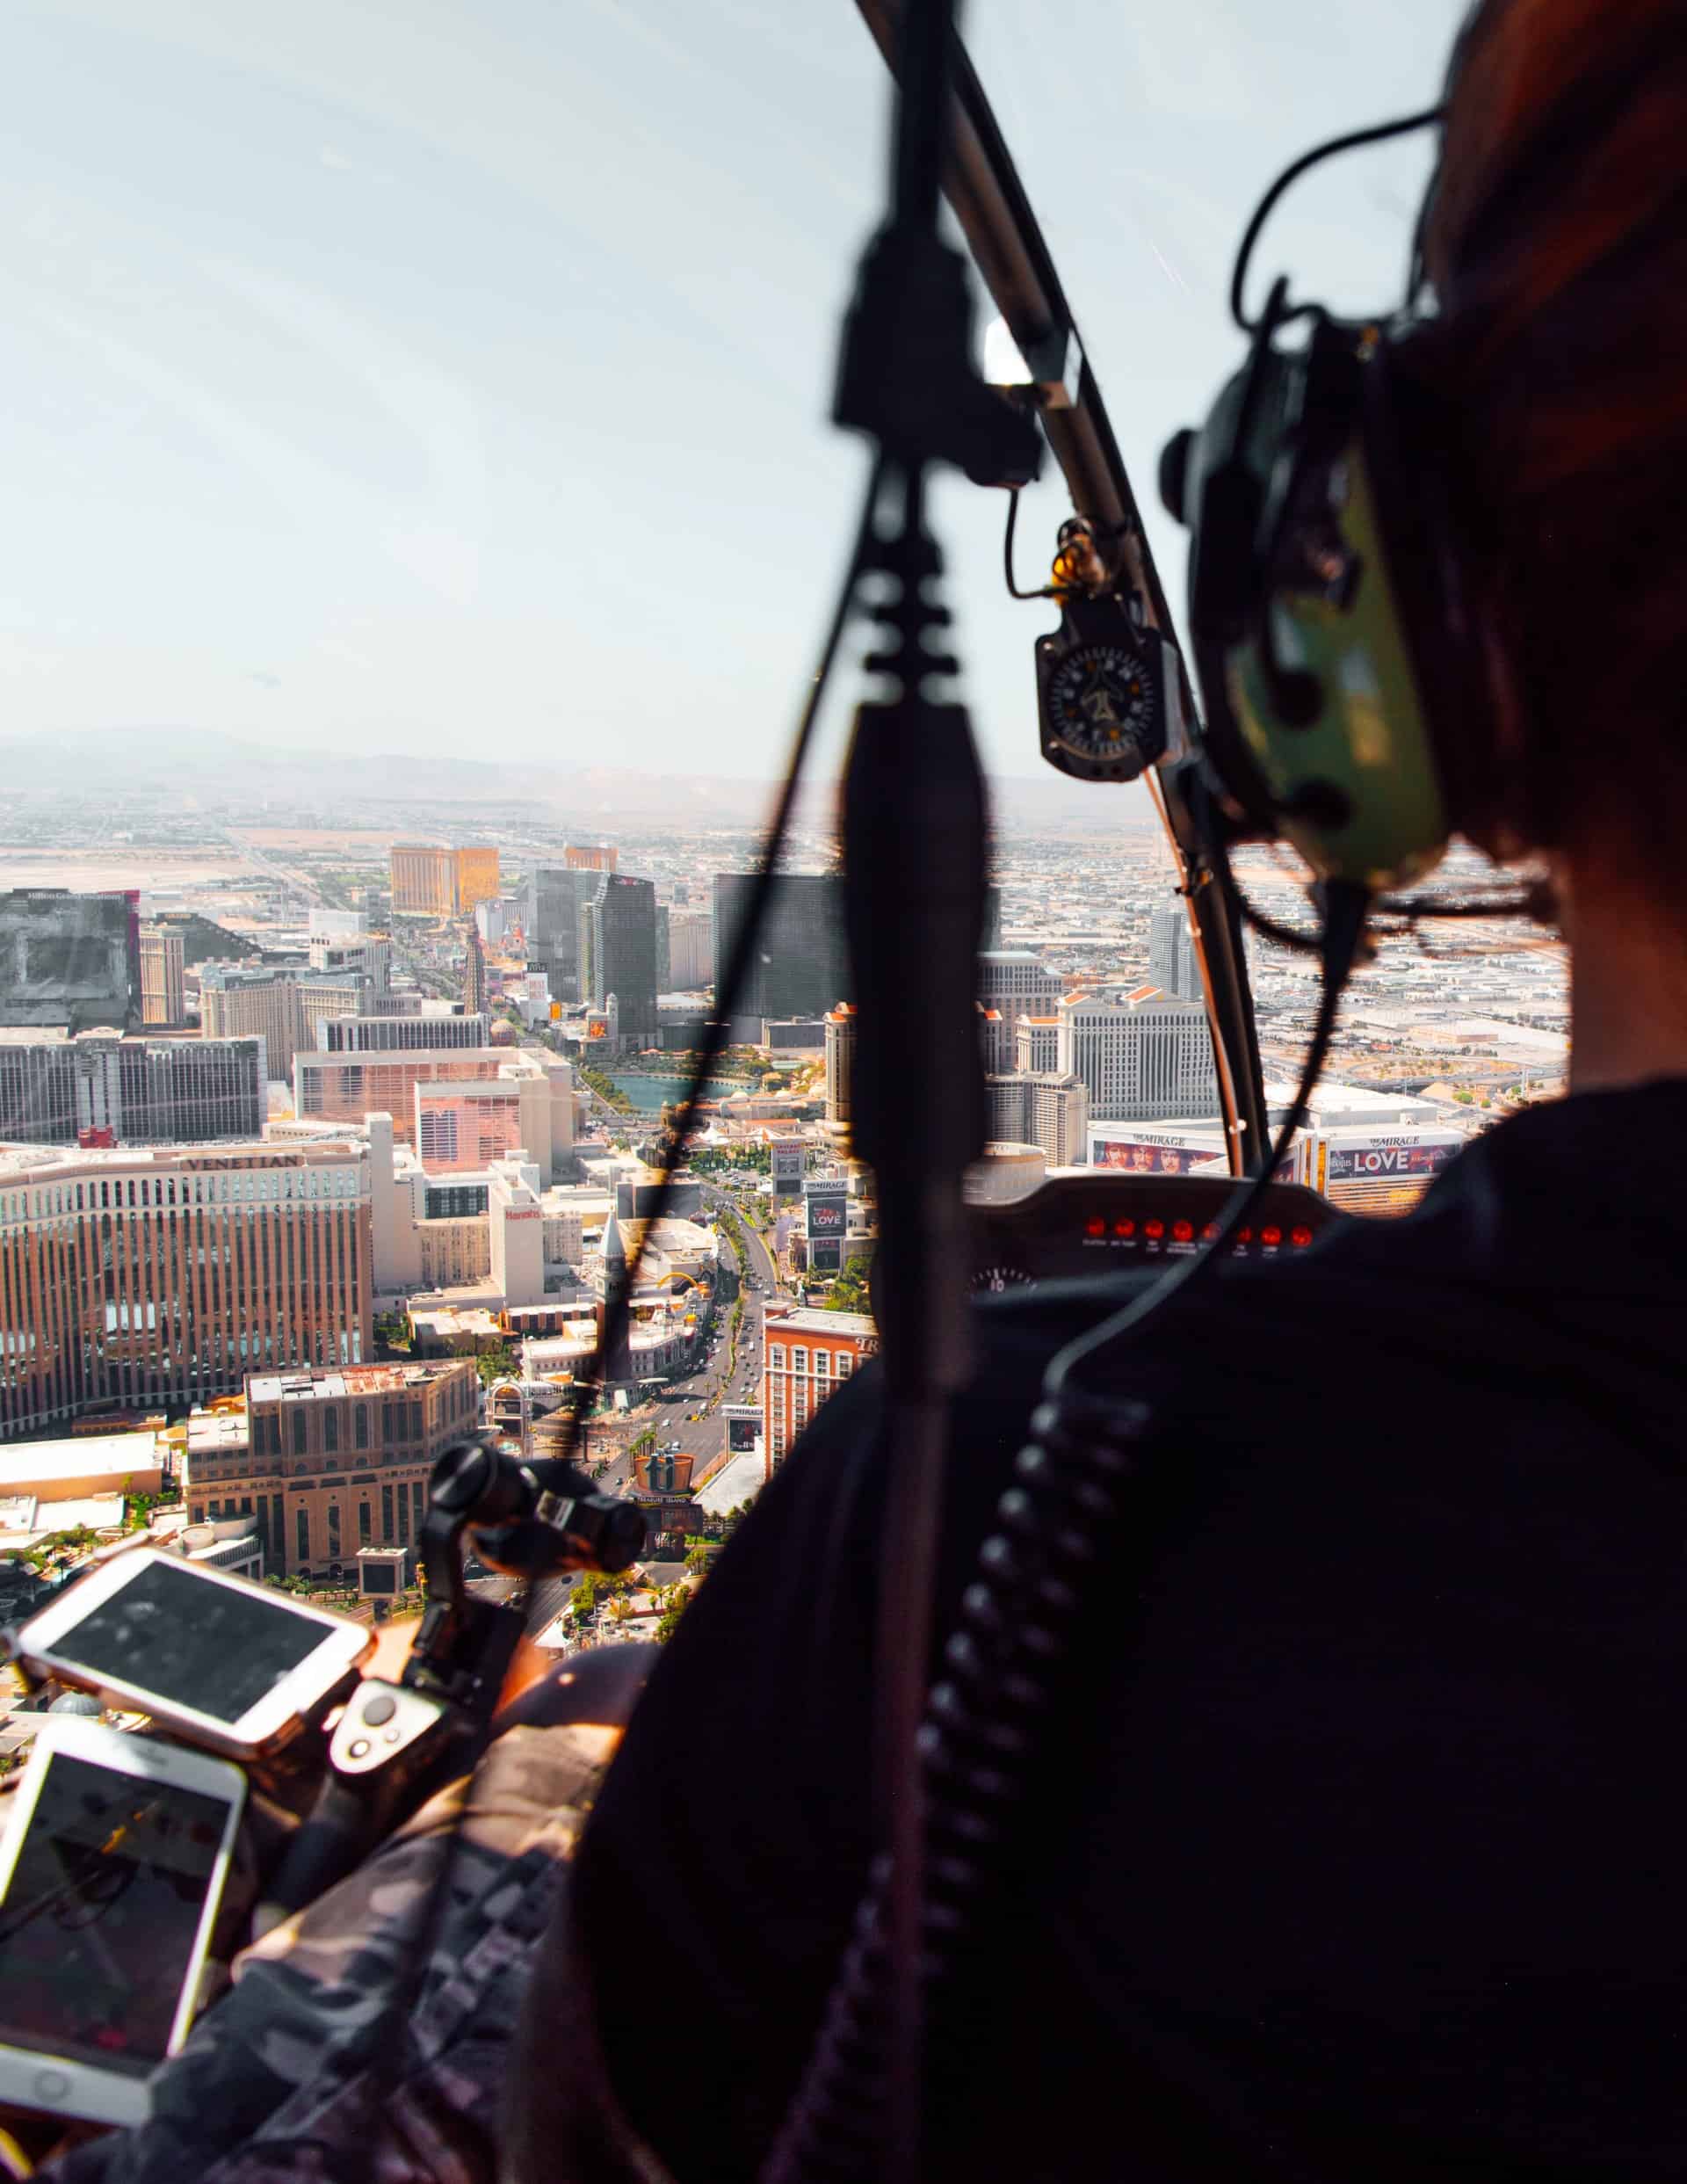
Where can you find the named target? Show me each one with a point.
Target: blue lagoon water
(649, 1093)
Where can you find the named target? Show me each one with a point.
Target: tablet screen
(99, 1918)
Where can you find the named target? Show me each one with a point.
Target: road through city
(689, 1410)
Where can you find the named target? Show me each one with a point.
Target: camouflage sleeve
(290, 2076)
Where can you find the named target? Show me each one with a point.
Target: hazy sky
(453, 377)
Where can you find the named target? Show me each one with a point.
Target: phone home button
(50, 2085)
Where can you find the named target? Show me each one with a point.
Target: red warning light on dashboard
(1271, 1237)
(1244, 1236)
(1181, 1231)
(1209, 1232)
(1154, 1230)
(1300, 1237)
(1095, 1226)
(1124, 1228)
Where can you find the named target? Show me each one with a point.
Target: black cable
(1043, 591)
(385, 2032)
(1351, 142)
(1268, 928)
(1345, 906)
(729, 987)
(1000, 1668)
(1533, 904)
(1525, 905)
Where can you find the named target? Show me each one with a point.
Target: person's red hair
(1557, 243)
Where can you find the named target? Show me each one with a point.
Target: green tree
(699, 1560)
(392, 1330)
(610, 1094)
(499, 1364)
(60, 1546)
(849, 1292)
(668, 1622)
(138, 1508)
(597, 1586)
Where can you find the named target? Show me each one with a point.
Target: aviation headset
(1349, 704)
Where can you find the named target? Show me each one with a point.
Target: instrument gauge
(1104, 708)
(1105, 685)
(993, 1280)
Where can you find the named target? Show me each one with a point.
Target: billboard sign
(828, 1210)
(743, 1429)
(786, 1156)
(1388, 1156)
(1152, 1159)
(69, 959)
(1149, 1151)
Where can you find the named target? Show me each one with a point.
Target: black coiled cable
(977, 1745)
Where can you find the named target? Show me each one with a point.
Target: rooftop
(47, 1163)
(209, 1432)
(80, 1457)
(801, 1319)
(738, 1481)
(442, 1319)
(344, 1380)
(25, 1518)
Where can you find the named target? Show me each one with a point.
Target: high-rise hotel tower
(131, 1280)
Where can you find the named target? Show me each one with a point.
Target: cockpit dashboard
(1107, 1222)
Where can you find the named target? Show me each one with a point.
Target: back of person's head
(1557, 243)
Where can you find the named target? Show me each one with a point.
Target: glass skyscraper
(618, 950)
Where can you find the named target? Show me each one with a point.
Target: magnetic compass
(1102, 703)
(1105, 693)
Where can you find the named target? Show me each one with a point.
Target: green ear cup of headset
(1356, 788)
(1316, 723)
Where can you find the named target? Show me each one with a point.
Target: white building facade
(1138, 1056)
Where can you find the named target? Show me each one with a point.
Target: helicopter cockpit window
(431, 520)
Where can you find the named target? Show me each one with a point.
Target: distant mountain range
(197, 767)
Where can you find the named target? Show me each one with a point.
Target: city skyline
(485, 1169)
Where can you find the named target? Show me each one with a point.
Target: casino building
(325, 1462)
(143, 1279)
(805, 1356)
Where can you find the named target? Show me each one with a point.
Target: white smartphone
(232, 1666)
(115, 1855)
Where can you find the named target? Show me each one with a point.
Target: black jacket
(1357, 1849)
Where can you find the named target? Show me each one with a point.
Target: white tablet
(234, 1667)
(112, 1866)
